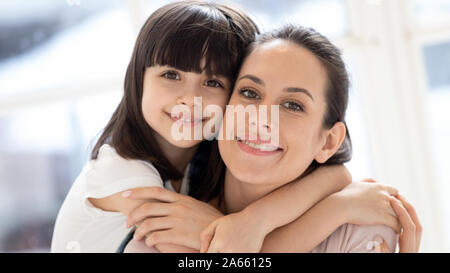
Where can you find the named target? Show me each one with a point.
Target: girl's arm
(119, 203)
(250, 226)
(308, 231)
(359, 203)
(295, 198)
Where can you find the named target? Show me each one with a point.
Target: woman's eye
(293, 106)
(171, 75)
(213, 83)
(249, 94)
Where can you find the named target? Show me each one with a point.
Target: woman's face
(165, 87)
(279, 73)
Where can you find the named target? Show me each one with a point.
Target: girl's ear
(333, 140)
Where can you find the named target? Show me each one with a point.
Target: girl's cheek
(216, 101)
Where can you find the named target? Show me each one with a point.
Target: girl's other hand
(409, 238)
(233, 233)
(369, 204)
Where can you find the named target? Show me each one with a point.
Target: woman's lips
(258, 147)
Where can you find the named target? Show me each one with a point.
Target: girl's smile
(188, 121)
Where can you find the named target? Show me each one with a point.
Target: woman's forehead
(282, 53)
(282, 62)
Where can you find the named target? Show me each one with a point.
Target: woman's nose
(263, 124)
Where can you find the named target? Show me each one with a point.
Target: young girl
(185, 49)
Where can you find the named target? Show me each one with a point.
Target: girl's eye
(171, 75)
(213, 83)
(250, 94)
(293, 106)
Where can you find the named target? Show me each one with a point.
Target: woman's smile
(257, 147)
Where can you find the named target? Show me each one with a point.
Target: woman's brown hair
(180, 35)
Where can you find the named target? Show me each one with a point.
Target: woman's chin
(251, 174)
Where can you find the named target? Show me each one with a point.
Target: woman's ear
(333, 141)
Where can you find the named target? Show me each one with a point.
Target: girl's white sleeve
(110, 173)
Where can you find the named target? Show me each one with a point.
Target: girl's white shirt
(80, 226)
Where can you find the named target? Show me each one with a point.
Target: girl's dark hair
(180, 35)
(337, 92)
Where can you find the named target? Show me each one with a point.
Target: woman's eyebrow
(297, 89)
(287, 89)
(252, 78)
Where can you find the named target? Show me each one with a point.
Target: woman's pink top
(347, 238)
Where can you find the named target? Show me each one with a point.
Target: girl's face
(165, 87)
(280, 73)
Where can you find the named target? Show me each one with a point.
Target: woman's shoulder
(357, 238)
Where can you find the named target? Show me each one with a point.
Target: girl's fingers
(212, 247)
(384, 248)
(162, 236)
(393, 222)
(412, 212)
(379, 245)
(146, 193)
(146, 210)
(206, 236)
(388, 206)
(408, 236)
(369, 180)
(391, 190)
(150, 225)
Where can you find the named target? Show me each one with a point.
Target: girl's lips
(185, 121)
(259, 149)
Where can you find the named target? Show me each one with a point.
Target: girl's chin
(185, 144)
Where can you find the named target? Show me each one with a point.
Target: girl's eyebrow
(287, 89)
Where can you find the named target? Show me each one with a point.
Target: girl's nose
(187, 100)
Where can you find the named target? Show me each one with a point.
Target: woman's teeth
(262, 147)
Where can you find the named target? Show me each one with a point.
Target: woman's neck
(239, 195)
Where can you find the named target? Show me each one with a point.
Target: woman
(307, 79)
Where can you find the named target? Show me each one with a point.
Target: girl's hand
(233, 233)
(409, 238)
(174, 218)
(369, 204)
